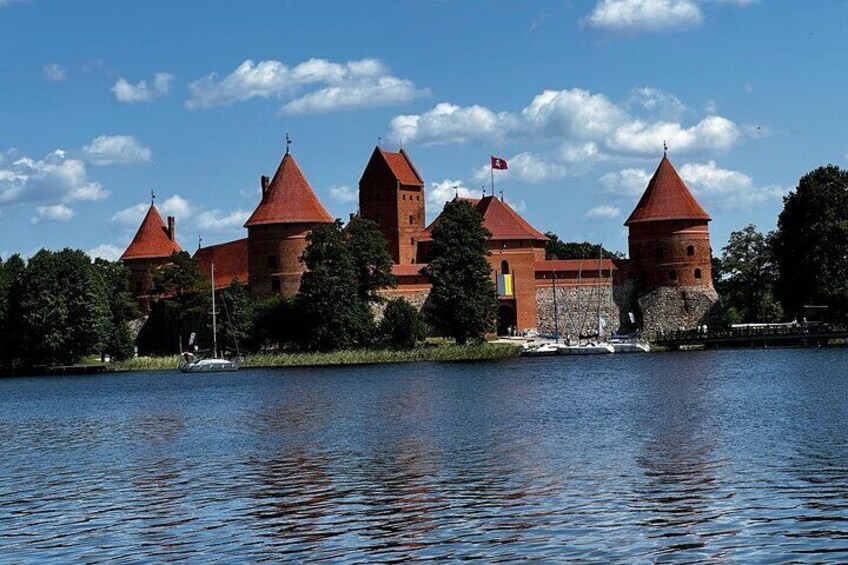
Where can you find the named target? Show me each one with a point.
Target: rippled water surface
(717, 456)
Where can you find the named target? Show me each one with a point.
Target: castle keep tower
(152, 246)
(671, 256)
(391, 193)
(277, 229)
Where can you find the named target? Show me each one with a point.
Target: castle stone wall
(673, 308)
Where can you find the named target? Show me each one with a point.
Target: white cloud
(382, 92)
(344, 194)
(658, 104)
(55, 179)
(54, 212)
(627, 182)
(216, 220)
(603, 212)
(445, 191)
(644, 15)
(650, 15)
(112, 149)
(176, 206)
(355, 84)
(106, 251)
(142, 91)
(577, 117)
(54, 72)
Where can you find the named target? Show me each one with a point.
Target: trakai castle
(665, 284)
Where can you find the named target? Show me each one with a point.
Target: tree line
(772, 277)
(60, 306)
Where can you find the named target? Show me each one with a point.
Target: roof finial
(379, 142)
(288, 143)
(665, 149)
(200, 242)
(152, 196)
(456, 188)
(400, 139)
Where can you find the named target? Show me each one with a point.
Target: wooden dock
(818, 335)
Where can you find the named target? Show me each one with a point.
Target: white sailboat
(191, 364)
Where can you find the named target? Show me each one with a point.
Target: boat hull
(210, 366)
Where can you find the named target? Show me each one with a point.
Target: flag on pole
(499, 164)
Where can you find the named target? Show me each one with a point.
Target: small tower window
(411, 241)
(672, 275)
(659, 252)
(275, 285)
(636, 253)
(411, 219)
(505, 267)
(690, 251)
(404, 196)
(272, 261)
(698, 274)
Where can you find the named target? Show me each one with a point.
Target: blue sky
(103, 101)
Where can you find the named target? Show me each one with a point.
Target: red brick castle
(665, 284)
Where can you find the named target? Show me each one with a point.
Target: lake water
(731, 456)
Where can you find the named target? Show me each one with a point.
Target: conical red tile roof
(667, 198)
(151, 240)
(500, 219)
(289, 199)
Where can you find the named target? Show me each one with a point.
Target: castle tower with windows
(671, 257)
(277, 230)
(391, 193)
(152, 246)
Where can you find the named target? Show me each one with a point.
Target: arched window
(697, 273)
(505, 267)
(690, 251)
(659, 252)
(272, 261)
(672, 275)
(411, 219)
(411, 241)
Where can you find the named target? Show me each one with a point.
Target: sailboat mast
(214, 317)
(556, 314)
(600, 262)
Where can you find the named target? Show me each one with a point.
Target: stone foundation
(417, 298)
(673, 308)
(577, 309)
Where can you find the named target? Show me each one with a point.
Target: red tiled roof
(230, 262)
(402, 167)
(500, 219)
(151, 240)
(289, 199)
(408, 270)
(667, 198)
(574, 265)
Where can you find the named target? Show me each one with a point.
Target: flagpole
(492, 170)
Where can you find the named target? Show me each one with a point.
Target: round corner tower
(670, 253)
(152, 247)
(277, 230)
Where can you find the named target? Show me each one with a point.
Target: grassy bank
(481, 352)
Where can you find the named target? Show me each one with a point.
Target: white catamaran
(192, 364)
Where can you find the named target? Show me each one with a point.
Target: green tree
(11, 274)
(747, 276)
(236, 325)
(118, 341)
(558, 249)
(335, 315)
(370, 257)
(276, 322)
(463, 297)
(402, 326)
(64, 308)
(183, 292)
(811, 243)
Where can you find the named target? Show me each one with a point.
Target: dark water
(717, 456)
